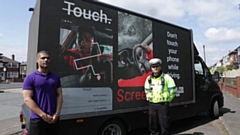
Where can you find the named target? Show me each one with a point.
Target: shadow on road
(195, 133)
(187, 124)
(193, 122)
(181, 125)
(225, 110)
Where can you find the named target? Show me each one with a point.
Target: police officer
(160, 89)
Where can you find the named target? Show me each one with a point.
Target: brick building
(12, 70)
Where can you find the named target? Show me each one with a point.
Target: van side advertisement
(102, 54)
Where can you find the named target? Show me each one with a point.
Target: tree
(232, 66)
(220, 69)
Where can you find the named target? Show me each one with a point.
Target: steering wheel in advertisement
(139, 55)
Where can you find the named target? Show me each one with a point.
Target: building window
(13, 65)
(12, 74)
(228, 59)
(1, 64)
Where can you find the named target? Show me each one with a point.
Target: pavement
(231, 114)
(5, 86)
(10, 126)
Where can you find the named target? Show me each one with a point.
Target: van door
(202, 81)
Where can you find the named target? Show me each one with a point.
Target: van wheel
(112, 127)
(214, 110)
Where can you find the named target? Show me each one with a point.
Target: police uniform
(160, 90)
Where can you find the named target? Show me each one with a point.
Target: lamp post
(4, 70)
(204, 53)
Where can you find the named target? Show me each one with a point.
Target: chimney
(13, 57)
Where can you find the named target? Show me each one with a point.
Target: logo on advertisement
(97, 16)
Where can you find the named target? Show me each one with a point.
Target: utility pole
(1, 57)
(204, 53)
(1, 65)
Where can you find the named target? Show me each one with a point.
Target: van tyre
(214, 110)
(113, 127)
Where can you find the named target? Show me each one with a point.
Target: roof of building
(24, 63)
(8, 60)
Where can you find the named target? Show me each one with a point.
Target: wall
(232, 87)
(232, 73)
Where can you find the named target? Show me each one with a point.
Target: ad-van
(103, 83)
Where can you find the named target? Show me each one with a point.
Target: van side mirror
(216, 76)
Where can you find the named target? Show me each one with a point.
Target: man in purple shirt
(42, 94)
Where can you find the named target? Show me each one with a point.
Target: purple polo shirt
(44, 91)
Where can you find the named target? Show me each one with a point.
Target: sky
(215, 23)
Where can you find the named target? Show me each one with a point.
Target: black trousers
(40, 127)
(159, 121)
